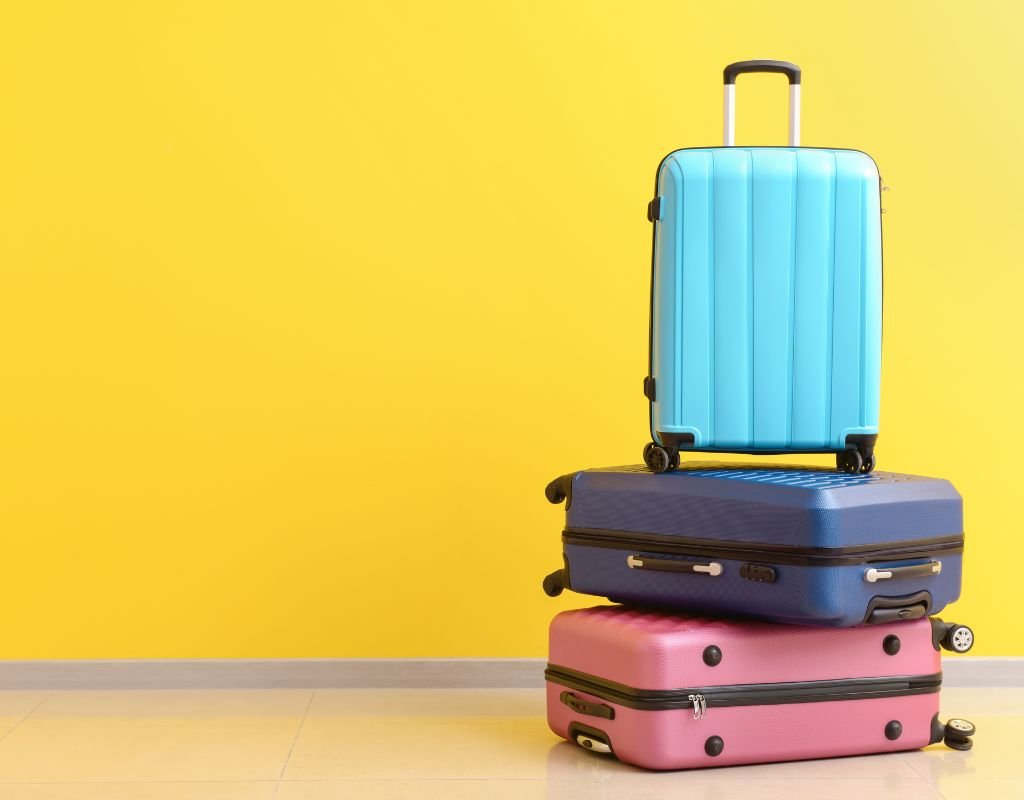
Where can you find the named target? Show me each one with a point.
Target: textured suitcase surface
(766, 300)
(672, 692)
(789, 544)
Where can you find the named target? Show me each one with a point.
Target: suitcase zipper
(776, 554)
(753, 694)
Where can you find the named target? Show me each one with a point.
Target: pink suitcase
(667, 691)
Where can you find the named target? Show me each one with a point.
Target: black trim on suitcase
(747, 694)
(772, 553)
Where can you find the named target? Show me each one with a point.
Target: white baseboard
(345, 673)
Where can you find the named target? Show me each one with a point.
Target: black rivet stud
(714, 746)
(891, 644)
(894, 730)
(712, 656)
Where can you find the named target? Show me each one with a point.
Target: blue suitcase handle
(875, 574)
(712, 568)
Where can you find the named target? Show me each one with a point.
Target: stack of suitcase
(765, 614)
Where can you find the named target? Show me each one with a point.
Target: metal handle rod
(790, 70)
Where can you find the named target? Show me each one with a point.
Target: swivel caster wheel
(849, 461)
(658, 460)
(555, 491)
(958, 734)
(958, 639)
(869, 464)
(554, 583)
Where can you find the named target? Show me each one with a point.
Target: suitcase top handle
(791, 71)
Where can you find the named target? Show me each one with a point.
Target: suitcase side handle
(873, 575)
(581, 706)
(712, 568)
(790, 70)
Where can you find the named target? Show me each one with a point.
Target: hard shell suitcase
(766, 298)
(790, 544)
(676, 692)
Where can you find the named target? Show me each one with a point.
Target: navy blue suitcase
(798, 545)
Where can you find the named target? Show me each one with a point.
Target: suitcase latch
(761, 573)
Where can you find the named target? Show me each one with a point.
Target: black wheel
(960, 727)
(958, 733)
(673, 464)
(657, 458)
(553, 585)
(869, 464)
(958, 639)
(849, 461)
(554, 492)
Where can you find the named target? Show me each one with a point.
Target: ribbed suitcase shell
(654, 651)
(813, 510)
(766, 327)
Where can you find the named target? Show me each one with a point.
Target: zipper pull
(700, 705)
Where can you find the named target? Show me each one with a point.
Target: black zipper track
(747, 694)
(775, 554)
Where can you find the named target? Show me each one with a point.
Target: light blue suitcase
(766, 298)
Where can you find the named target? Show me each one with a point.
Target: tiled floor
(389, 744)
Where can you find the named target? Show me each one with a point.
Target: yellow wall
(303, 303)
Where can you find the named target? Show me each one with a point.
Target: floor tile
(890, 767)
(571, 762)
(441, 790)
(974, 788)
(198, 751)
(390, 744)
(357, 748)
(138, 791)
(15, 706)
(709, 785)
(239, 706)
(400, 704)
(938, 762)
(996, 753)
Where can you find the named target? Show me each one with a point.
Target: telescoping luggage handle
(791, 71)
